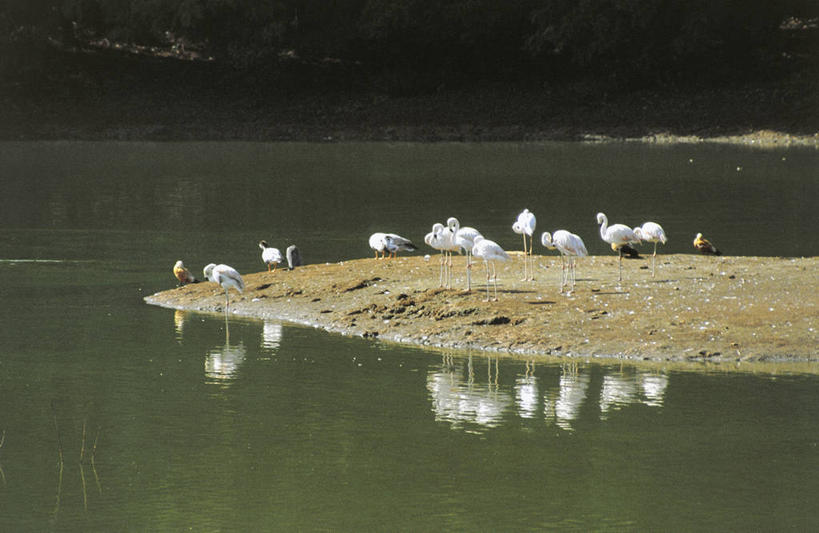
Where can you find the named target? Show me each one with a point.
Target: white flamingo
(227, 277)
(464, 239)
(441, 238)
(431, 239)
(569, 245)
(525, 225)
(270, 255)
(651, 232)
(617, 235)
(490, 252)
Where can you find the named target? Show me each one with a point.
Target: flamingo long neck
(604, 227)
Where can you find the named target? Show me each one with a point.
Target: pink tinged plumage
(525, 226)
(490, 252)
(464, 239)
(651, 232)
(226, 276)
(569, 245)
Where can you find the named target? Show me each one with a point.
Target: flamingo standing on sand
(525, 225)
(617, 235)
(443, 239)
(227, 277)
(651, 232)
(569, 245)
(490, 252)
(464, 240)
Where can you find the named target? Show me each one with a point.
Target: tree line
(627, 41)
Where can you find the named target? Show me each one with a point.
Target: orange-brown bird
(182, 274)
(704, 246)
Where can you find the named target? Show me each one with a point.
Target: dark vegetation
(444, 69)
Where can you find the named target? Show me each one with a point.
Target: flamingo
(568, 244)
(435, 239)
(227, 277)
(270, 255)
(651, 232)
(525, 225)
(490, 252)
(704, 246)
(183, 274)
(431, 240)
(617, 235)
(464, 239)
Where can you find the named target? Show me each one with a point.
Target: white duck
(270, 255)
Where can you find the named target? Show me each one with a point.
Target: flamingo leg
(562, 271)
(525, 262)
(441, 280)
(449, 275)
(532, 258)
(486, 264)
(468, 273)
(620, 265)
(653, 259)
(495, 280)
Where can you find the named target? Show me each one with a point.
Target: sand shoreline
(723, 310)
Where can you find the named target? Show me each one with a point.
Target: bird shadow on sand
(611, 293)
(541, 302)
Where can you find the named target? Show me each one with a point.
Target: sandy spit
(724, 310)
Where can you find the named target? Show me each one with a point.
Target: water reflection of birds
(572, 391)
(271, 335)
(526, 396)
(179, 317)
(619, 390)
(459, 402)
(221, 364)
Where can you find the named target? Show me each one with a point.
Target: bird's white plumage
(270, 255)
(569, 245)
(617, 235)
(464, 239)
(651, 232)
(490, 252)
(226, 276)
(525, 226)
(391, 243)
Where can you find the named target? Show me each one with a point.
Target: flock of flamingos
(452, 237)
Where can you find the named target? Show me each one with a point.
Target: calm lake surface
(196, 423)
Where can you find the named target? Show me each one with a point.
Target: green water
(195, 423)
